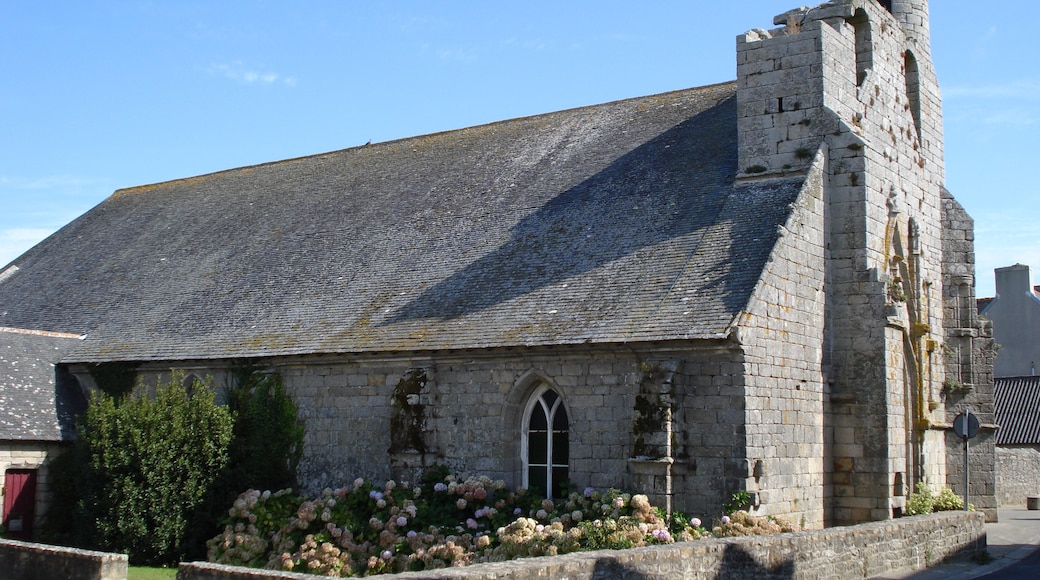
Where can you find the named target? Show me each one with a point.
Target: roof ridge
(148, 186)
(41, 333)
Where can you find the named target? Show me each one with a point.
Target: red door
(19, 502)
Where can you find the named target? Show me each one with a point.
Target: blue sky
(101, 95)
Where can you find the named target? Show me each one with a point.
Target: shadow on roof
(672, 186)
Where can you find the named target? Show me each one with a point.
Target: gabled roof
(1017, 410)
(37, 401)
(612, 223)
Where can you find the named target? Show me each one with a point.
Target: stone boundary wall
(1018, 474)
(27, 561)
(863, 551)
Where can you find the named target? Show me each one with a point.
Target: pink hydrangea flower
(661, 535)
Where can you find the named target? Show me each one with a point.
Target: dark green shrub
(69, 477)
(151, 464)
(268, 442)
(263, 454)
(154, 476)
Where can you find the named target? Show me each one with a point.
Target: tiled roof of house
(34, 404)
(612, 223)
(1017, 410)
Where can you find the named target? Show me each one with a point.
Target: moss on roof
(612, 223)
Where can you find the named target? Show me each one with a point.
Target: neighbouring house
(753, 286)
(1018, 439)
(1015, 314)
(39, 403)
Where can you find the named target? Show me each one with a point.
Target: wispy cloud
(535, 44)
(65, 183)
(456, 54)
(31, 208)
(1003, 239)
(1020, 89)
(240, 73)
(16, 241)
(452, 53)
(1015, 117)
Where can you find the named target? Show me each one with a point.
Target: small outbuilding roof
(613, 223)
(38, 402)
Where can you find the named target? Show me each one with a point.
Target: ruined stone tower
(850, 85)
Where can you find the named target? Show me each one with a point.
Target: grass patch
(146, 573)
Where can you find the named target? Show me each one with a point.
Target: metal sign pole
(965, 426)
(965, 474)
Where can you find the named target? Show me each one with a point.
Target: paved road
(1025, 569)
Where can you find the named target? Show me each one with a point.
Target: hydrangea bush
(742, 523)
(926, 501)
(365, 529)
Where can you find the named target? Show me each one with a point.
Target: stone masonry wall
(1018, 474)
(783, 336)
(465, 411)
(894, 547)
(27, 561)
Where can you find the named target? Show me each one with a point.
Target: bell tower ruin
(850, 85)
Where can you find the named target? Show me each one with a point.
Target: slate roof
(1017, 410)
(983, 303)
(36, 403)
(612, 223)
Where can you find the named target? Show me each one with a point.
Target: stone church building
(760, 285)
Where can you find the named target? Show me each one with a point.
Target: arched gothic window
(864, 45)
(545, 447)
(913, 90)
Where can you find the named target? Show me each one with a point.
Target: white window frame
(535, 400)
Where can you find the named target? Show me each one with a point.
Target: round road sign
(965, 425)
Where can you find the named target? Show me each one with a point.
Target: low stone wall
(862, 551)
(27, 561)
